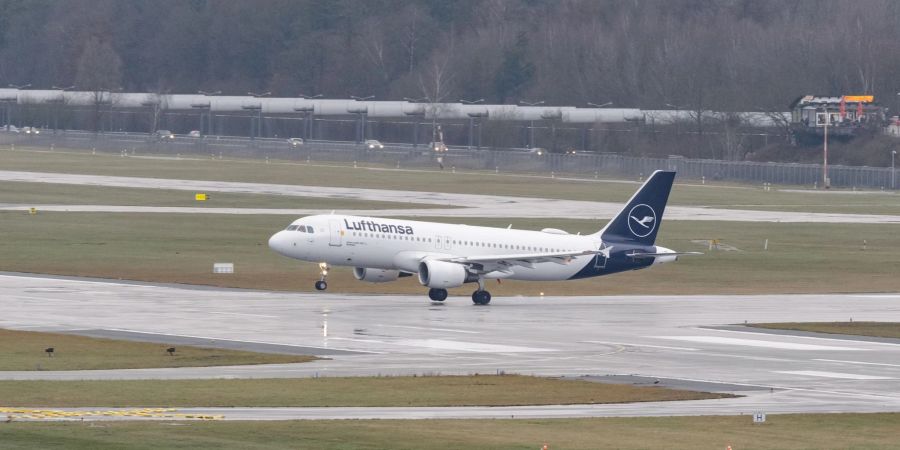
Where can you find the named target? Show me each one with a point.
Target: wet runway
(677, 339)
(459, 205)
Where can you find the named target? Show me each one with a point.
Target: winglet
(639, 220)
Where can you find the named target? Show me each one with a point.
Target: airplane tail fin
(639, 220)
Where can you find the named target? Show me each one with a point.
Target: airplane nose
(278, 242)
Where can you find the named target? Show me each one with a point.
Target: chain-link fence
(407, 155)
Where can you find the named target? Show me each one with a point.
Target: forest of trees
(725, 55)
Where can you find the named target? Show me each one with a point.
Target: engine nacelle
(443, 275)
(664, 258)
(375, 275)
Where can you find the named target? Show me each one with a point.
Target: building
(844, 117)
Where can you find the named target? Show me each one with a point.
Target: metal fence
(407, 155)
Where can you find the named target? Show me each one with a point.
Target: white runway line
(408, 327)
(758, 343)
(858, 362)
(842, 376)
(687, 349)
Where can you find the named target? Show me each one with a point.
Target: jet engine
(443, 275)
(375, 275)
(665, 257)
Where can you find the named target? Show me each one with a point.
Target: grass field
(874, 329)
(812, 258)
(719, 195)
(67, 194)
(822, 432)
(24, 350)
(482, 390)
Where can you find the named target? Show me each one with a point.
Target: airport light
(209, 92)
(257, 95)
(67, 88)
(170, 351)
(531, 122)
(415, 100)
(362, 99)
(20, 86)
(471, 102)
(600, 105)
(49, 351)
(308, 97)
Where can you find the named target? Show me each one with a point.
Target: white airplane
(448, 256)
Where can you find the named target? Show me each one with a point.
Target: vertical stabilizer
(639, 220)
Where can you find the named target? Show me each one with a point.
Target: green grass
(332, 174)
(483, 390)
(874, 329)
(24, 350)
(36, 194)
(802, 258)
(807, 431)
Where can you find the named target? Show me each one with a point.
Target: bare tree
(100, 72)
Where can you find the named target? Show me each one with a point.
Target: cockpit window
(292, 228)
(310, 229)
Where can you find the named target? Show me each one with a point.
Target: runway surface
(676, 339)
(464, 205)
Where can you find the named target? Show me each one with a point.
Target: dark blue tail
(639, 220)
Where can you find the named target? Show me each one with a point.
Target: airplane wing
(491, 263)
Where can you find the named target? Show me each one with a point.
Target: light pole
(362, 112)
(258, 113)
(825, 149)
(417, 114)
(208, 107)
(472, 117)
(531, 122)
(898, 105)
(59, 102)
(9, 103)
(893, 174)
(308, 111)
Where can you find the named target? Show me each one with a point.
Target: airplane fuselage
(447, 256)
(390, 244)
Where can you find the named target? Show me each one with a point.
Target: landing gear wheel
(437, 295)
(481, 297)
(321, 285)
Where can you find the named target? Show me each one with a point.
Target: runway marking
(239, 340)
(858, 362)
(429, 329)
(243, 314)
(688, 349)
(756, 343)
(877, 296)
(843, 376)
(477, 347)
(763, 332)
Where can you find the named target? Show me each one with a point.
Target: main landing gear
(481, 296)
(321, 285)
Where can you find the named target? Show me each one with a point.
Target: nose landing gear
(321, 285)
